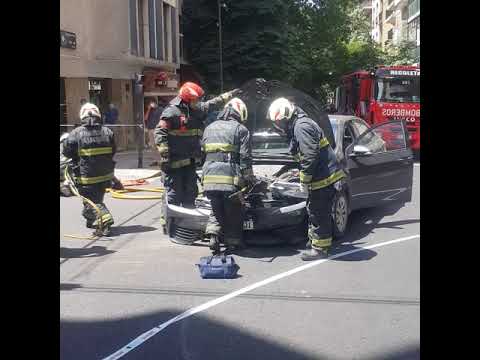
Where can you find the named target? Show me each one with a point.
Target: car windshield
(269, 144)
(400, 89)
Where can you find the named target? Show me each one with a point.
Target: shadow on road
(94, 251)
(130, 229)
(361, 224)
(268, 254)
(69, 286)
(364, 222)
(196, 337)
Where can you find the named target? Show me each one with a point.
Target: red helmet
(190, 92)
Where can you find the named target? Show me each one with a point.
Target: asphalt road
(365, 305)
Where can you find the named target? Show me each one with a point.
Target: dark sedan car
(379, 167)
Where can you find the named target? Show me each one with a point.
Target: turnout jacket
(310, 146)
(180, 129)
(228, 160)
(91, 147)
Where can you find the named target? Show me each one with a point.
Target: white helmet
(63, 137)
(89, 109)
(239, 106)
(280, 109)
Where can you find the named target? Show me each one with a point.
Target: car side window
(384, 137)
(359, 127)
(347, 136)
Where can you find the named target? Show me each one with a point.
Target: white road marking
(416, 164)
(150, 333)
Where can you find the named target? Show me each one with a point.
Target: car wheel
(340, 214)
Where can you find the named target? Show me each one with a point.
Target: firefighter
(178, 136)
(319, 171)
(227, 168)
(91, 147)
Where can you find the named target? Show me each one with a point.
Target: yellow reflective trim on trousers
(217, 147)
(328, 181)
(305, 178)
(106, 218)
(220, 179)
(324, 142)
(321, 242)
(162, 148)
(95, 151)
(187, 132)
(180, 163)
(93, 180)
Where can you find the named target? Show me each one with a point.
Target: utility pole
(220, 43)
(138, 115)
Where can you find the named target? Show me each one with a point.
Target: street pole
(138, 117)
(220, 44)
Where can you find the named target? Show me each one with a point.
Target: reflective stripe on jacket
(228, 155)
(91, 147)
(310, 146)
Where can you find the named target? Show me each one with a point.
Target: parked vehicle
(383, 94)
(378, 162)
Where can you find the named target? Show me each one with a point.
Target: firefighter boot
(214, 244)
(314, 254)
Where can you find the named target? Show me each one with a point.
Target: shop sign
(68, 40)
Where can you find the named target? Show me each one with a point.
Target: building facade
(107, 44)
(413, 25)
(394, 21)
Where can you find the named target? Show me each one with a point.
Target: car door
(380, 163)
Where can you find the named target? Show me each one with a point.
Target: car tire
(340, 214)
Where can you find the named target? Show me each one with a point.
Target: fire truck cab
(383, 94)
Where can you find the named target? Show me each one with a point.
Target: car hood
(258, 94)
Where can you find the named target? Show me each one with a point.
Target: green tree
(254, 37)
(401, 54)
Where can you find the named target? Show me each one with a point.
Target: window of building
(152, 36)
(174, 34)
(166, 31)
(159, 28)
(133, 28)
(141, 28)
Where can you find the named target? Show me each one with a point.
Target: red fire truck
(383, 94)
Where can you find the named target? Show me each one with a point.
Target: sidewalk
(126, 167)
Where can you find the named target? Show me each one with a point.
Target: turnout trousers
(181, 186)
(320, 223)
(226, 218)
(95, 193)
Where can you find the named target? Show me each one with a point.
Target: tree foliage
(307, 43)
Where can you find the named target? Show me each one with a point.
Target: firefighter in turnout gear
(319, 171)
(227, 168)
(177, 137)
(91, 147)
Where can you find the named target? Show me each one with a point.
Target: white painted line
(147, 335)
(416, 164)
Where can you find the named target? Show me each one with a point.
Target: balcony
(416, 54)
(413, 10)
(400, 33)
(390, 17)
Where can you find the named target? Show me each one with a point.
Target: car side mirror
(360, 150)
